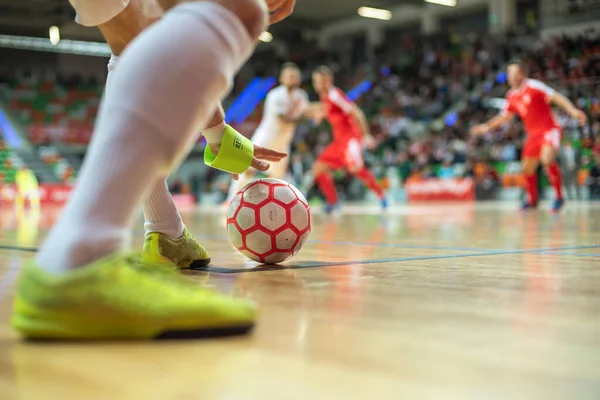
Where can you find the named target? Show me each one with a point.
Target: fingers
(235, 177)
(282, 12)
(263, 152)
(274, 5)
(259, 165)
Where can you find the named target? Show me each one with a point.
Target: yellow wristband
(235, 154)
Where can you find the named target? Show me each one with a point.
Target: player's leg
(145, 126)
(322, 174)
(165, 231)
(548, 157)
(530, 161)
(34, 198)
(19, 198)
(356, 166)
(529, 165)
(131, 142)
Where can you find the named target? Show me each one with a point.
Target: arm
(302, 109)
(361, 120)
(315, 112)
(350, 108)
(492, 124)
(563, 102)
(288, 119)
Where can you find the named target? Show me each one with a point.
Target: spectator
(446, 170)
(593, 180)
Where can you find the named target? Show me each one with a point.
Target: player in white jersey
(284, 106)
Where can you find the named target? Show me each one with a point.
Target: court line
(572, 254)
(365, 244)
(317, 264)
(18, 248)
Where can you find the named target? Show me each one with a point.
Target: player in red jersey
(530, 99)
(350, 129)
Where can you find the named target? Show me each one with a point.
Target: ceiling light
(447, 3)
(54, 34)
(376, 13)
(266, 37)
(96, 49)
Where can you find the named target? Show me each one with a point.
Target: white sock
(168, 79)
(160, 213)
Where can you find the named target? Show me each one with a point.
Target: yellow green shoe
(185, 252)
(118, 298)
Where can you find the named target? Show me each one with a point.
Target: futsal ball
(268, 221)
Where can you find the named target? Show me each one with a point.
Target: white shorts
(97, 12)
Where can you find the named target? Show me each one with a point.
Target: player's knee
(252, 13)
(317, 169)
(548, 158)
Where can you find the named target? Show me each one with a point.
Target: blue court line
(363, 244)
(317, 264)
(570, 253)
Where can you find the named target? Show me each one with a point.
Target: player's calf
(548, 159)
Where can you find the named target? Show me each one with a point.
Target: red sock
(325, 182)
(555, 177)
(368, 179)
(532, 188)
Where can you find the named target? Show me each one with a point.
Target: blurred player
(83, 283)
(350, 130)
(530, 99)
(284, 106)
(27, 188)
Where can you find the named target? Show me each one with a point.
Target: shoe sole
(199, 264)
(203, 333)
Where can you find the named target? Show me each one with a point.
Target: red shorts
(347, 154)
(533, 145)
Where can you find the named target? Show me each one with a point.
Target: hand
(370, 142)
(279, 9)
(479, 129)
(261, 154)
(579, 116)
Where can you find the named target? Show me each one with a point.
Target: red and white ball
(268, 221)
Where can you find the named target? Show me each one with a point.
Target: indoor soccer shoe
(384, 203)
(184, 252)
(526, 206)
(118, 298)
(330, 208)
(557, 205)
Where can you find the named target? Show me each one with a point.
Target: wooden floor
(426, 302)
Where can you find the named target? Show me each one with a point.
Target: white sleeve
(303, 101)
(275, 104)
(542, 87)
(341, 101)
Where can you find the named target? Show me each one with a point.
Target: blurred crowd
(424, 95)
(427, 93)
